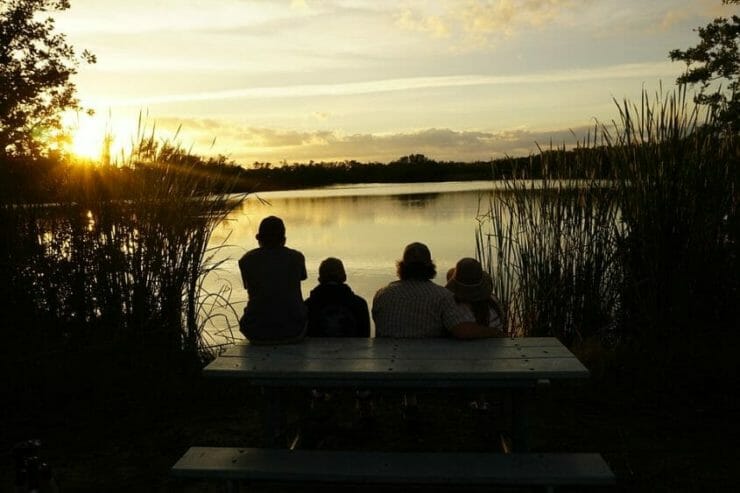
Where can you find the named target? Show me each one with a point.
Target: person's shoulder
(441, 292)
(390, 287)
(359, 300)
(250, 254)
(293, 252)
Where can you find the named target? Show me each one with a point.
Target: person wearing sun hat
(473, 288)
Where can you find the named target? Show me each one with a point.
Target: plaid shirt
(415, 308)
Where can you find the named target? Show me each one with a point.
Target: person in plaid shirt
(414, 306)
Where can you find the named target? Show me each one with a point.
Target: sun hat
(417, 253)
(332, 270)
(468, 281)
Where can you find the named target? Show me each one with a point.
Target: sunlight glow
(100, 139)
(88, 135)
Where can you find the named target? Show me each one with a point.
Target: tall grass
(118, 261)
(678, 181)
(636, 229)
(548, 245)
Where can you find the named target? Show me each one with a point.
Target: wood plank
(383, 346)
(431, 352)
(277, 369)
(393, 467)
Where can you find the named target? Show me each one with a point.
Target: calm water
(367, 226)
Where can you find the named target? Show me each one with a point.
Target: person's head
(469, 282)
(271, 232)
(332, 270)
(416, 263)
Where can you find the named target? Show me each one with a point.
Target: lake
(366, 226)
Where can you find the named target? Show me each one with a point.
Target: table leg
(521, 403)
(274, 417)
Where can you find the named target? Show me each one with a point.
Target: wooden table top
(385, 362)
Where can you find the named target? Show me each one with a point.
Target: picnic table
(514, 364)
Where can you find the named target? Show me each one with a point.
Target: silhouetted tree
(716, 59)
(36, 64)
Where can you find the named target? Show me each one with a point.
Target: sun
(87, 140)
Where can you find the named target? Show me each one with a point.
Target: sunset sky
(274, 80)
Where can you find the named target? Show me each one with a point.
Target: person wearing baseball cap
(334, 310)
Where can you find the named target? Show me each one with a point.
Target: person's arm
(302, 261)
(243, 270)
(363, 318)
(460, 323)
(471, 330)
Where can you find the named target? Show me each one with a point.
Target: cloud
(433, 24)
(632, 70)
(246, 144)
(673, 17)
(482, 23)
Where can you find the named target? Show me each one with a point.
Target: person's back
(333, 309)
(414, 306)
(272, 275)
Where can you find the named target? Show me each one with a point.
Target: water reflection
(366, 226)
(417, 199)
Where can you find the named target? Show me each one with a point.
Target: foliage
(96, 270)
(654, 247)
(36, 65)
(548, 245)
(407, 169)
(715, 58)
(677, 180)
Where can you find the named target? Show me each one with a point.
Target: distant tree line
(263, 176)
(411, 168)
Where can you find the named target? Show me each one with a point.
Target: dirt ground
(663, 430)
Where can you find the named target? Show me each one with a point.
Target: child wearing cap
(333, 309)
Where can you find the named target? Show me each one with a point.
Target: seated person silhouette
(333, 309)
(473, 289)
(272, 275)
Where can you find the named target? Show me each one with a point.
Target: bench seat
(429, 468)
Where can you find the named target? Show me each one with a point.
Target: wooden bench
(418, 468)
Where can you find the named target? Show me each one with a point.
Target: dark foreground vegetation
(638, 275)
(626, 248)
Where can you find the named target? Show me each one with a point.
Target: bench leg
(232, 486)
(521, 403)
(274, 417)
